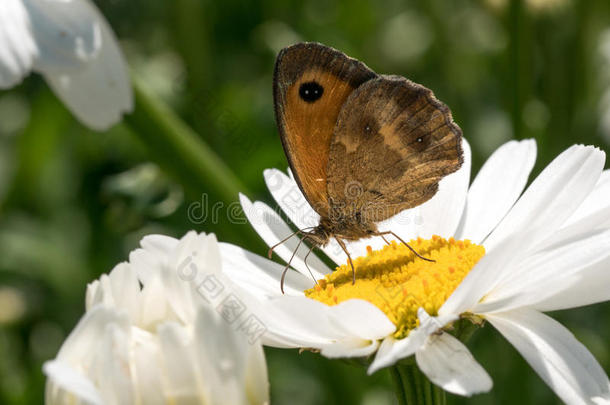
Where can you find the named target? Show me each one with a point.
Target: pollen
(398, 282)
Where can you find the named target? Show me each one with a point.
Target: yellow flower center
(396, 281)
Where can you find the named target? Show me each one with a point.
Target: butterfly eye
(420, 139)
(311, 91)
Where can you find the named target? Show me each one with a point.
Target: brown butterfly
(362, 146)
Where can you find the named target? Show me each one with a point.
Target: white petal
(546, 274)
(551, 198)
(264, 319)
(178, 278)
(349, 347)
(289, 197)
(385, 355)
(361, 319)
(440, 215)
(111, 368)
(588, 286)
(68, 34)
(257, 380)
(80, 344)
(449, 364)
(17, 47)
(392, 350)
(596, 201)
(598, 220)
(486, 274)
(147, 368)
(357, 326)
(64, 377)
(358, 248)
(496, 188)
(592, 214)
(183, 382)
(221, 353)
(80, 350)
(97, 89)
(147, 266)
(291, 200)
(355, 249)
(403, 223)
(159, 245)
(293, 322)
(555, 354)
(303, 317)
(201, 249)
(193, 261)
(258, 275)
(118, 290)
(273, 229)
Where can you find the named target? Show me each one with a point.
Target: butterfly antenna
(288, 265)
(405, 243)
(270, 251)
(349, 259)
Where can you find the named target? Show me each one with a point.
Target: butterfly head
(345, 227)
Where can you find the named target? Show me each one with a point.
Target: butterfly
(362, 146)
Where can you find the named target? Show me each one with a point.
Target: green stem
(401, 390)
(178, 149)
(183, 154)
(516, 55)
(465, 329)
(413, 387)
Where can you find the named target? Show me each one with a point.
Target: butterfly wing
(392, 144)
(311, 83)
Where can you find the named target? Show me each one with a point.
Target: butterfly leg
(306, 265)
(384, 239)
(349, 259)
(288, 265)
(405, 243)
(300, 231)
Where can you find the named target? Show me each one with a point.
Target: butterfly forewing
(311, 84)
(393, 142)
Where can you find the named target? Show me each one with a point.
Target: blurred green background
(73, 203)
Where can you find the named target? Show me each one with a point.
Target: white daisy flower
(501, 256)
(151, 335)
(70, 43)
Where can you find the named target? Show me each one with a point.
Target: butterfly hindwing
(393, 142)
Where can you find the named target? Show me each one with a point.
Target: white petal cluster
(152, 336)
(70, 43)
(546, 249)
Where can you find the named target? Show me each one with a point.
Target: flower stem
(179, 150)
(413, 387)
(185, 156)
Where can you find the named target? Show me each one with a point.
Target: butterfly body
(362, 146)
(345, 227)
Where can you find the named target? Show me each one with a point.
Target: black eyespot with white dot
(311, 91)
(367, 125)
(421, 143)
